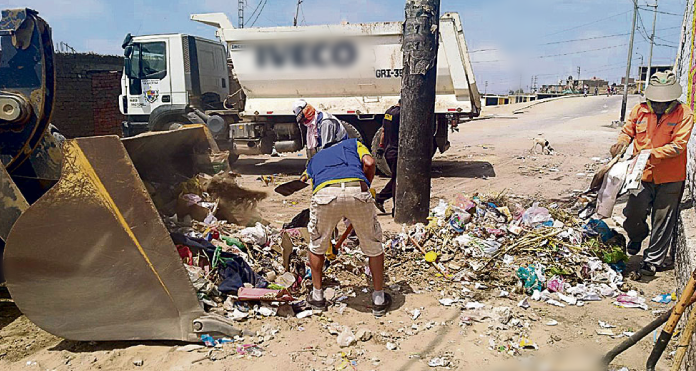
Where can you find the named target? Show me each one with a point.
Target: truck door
(149, 80)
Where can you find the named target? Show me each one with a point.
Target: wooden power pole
(624, 101)
(420, 44)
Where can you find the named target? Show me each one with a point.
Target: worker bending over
(663, 126)
(341, 174)
(322, 127)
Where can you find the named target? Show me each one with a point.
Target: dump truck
(243, 88)
(86, 253)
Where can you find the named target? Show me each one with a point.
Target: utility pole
(652, 42)
(297, 12)
(628, 63)
(420, 44)
(240, 13)
(578, 74)
(485, 89)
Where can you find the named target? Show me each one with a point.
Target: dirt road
(487, 156)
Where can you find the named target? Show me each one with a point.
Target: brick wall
(87, 89)
(106, 87)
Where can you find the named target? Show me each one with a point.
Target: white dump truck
(244, 87)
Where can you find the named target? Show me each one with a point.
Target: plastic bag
(536, 215)
(530, 279)
(597, 227)
(440, 211)
(459, 220)
(255, 235)
(555, 284)
(464, 203)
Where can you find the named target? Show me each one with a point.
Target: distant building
(593, 83)
(631, 81)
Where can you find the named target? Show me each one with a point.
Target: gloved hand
(617, 148)
(304, 178)
(380, 153)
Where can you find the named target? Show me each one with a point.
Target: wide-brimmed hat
(663, 87)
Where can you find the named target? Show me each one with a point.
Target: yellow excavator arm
(86, 253)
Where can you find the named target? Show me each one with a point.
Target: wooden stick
(522, 242)
(668, 330)
(638, 335)
(684, 341)
(434, 264)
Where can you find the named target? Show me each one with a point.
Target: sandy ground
(486, 156)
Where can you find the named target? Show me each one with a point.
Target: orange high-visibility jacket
(666, 140)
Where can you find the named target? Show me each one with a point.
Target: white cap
(298, 106)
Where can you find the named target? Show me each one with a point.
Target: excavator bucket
(92, 259)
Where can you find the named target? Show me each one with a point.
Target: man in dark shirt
(389, 148)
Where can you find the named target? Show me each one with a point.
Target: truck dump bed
(346, 68)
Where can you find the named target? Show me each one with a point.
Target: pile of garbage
(496, 242)
(473, 248)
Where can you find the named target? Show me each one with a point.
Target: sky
(510, 41)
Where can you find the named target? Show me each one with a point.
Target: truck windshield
(149, 60)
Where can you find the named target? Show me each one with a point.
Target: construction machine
(86, 253)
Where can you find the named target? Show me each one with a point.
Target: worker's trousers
(390, 189)
(662, 201)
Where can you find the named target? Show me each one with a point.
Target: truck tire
(382, 165)
(353, 132)
(165, 118)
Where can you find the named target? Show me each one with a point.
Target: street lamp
(640, 77)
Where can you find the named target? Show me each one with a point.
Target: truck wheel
(353, 132)
(169, 118)
(382, 165)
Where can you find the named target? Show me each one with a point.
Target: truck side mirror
(127, 41)
(127, 51)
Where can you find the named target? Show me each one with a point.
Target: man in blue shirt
(341, 174)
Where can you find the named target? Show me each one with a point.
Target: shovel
(286, 189)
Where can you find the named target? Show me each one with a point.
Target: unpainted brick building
(87, 90)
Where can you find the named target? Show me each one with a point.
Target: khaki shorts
(330, 205)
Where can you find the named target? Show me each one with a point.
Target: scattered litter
(664, 298)
(189, 348)
(415, 314)
(363, 334)
(552, 322)
(438, 362)
(346, 338)
(605, 332)
(304, 314)
(524, 304)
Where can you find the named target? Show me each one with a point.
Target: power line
(254, 12)
(560, 55)
(481, 50)
(586, 24)
(260, 11)
(585, 39)
(663, 12)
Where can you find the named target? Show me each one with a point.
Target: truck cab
(165, 75)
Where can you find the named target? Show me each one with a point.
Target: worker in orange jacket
(663, 126)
